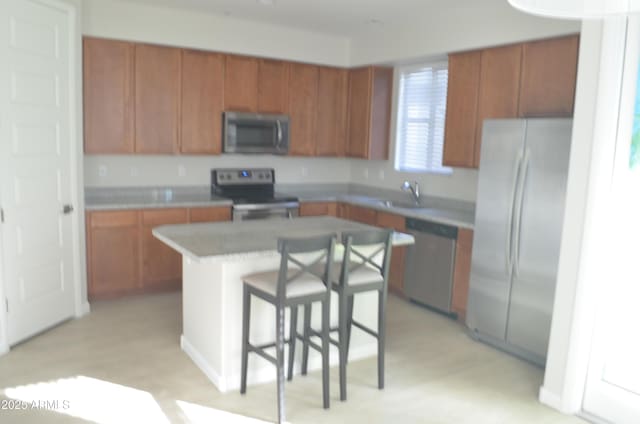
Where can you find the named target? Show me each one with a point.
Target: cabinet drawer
(164, 216)
(318, 209)
(103, 219)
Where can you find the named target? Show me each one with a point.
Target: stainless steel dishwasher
(429, 264)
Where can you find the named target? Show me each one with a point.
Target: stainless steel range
(253, 193)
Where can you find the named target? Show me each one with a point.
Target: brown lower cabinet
(396, 270)
(318, 208)
(123, 256)
(462, 273)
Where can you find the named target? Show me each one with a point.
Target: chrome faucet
(414, 190)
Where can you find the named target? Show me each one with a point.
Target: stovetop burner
(247, 186)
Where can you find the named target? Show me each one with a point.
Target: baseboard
(202, 363)
(554, 401)
(85, 309)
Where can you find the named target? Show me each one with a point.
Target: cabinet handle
(67, 209)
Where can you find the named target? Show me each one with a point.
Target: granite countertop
(445, 211)
(210, 241)
(151, 197)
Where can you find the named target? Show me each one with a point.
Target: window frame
(400, 72)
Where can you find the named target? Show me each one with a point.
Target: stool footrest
(365, 329)
(260, 351)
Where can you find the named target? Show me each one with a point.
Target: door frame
(73, 10)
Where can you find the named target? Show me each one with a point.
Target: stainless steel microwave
(255, 133)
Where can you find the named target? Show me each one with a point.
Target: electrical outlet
(365, 173)
(305, 171)
(381, 174)
(182, 171)
(102, 171)
(134, 171)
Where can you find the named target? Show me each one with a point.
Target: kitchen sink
(403, 205)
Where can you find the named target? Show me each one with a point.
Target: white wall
(141, 22)
(470, 26)
(166, 170)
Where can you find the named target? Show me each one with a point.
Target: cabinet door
(380, 111)
(363, 215)
(499, 88)
(108, 96)
(463, 87)
(303, 92)
(210, 214)
(360, 82)
(112, 253)
(202, 102)
(548, 83)
(331, 112)
(273, 87)
(241, 84)
(462, 273)
(396, 270)
(157, 99)
(161, 265)
(318, 209)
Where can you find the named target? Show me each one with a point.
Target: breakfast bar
(215, 256)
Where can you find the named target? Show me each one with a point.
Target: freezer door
(489, 287)
(537, 243)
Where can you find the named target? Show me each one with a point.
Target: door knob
(67, 209)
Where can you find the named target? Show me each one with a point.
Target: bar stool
(359, 273)
(301, 284)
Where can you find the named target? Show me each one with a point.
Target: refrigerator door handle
(519, 207)
(512, 201)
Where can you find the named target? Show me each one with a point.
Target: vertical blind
(421, 113)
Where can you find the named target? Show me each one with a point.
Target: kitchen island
(215, 256)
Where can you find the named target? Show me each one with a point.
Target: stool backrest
(355, 257)
(323, 248)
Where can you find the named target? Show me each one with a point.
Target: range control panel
(242, 176)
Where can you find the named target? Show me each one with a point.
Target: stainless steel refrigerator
(518, 225)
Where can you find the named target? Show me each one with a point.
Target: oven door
(265, 211)
(256, 133)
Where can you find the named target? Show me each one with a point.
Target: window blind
(421, 114)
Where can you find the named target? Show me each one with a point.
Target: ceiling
(337, 17)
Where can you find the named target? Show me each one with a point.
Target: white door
(36, 42)
(612, 390)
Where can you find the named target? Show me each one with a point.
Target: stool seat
(303, 285)
(364, 274)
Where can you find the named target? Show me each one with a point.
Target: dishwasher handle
(442, 230)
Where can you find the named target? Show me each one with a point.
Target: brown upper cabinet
(331, 111)
(463, 89)
(499, 88)
(548, 81)
(303, 92)
(522, 80)
(241, 83)
(369, 112)
(273, 87)
(202, 102)
(157, 99)
(108, 96)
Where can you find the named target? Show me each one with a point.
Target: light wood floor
(122, 363)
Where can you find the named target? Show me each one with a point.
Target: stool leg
(342, 343)
(382, 300)
(325, 352)
(246, 317)
(349, 322)
(280, 360)
(293, 329)
(306, 335)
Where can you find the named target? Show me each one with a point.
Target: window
(421, 113)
